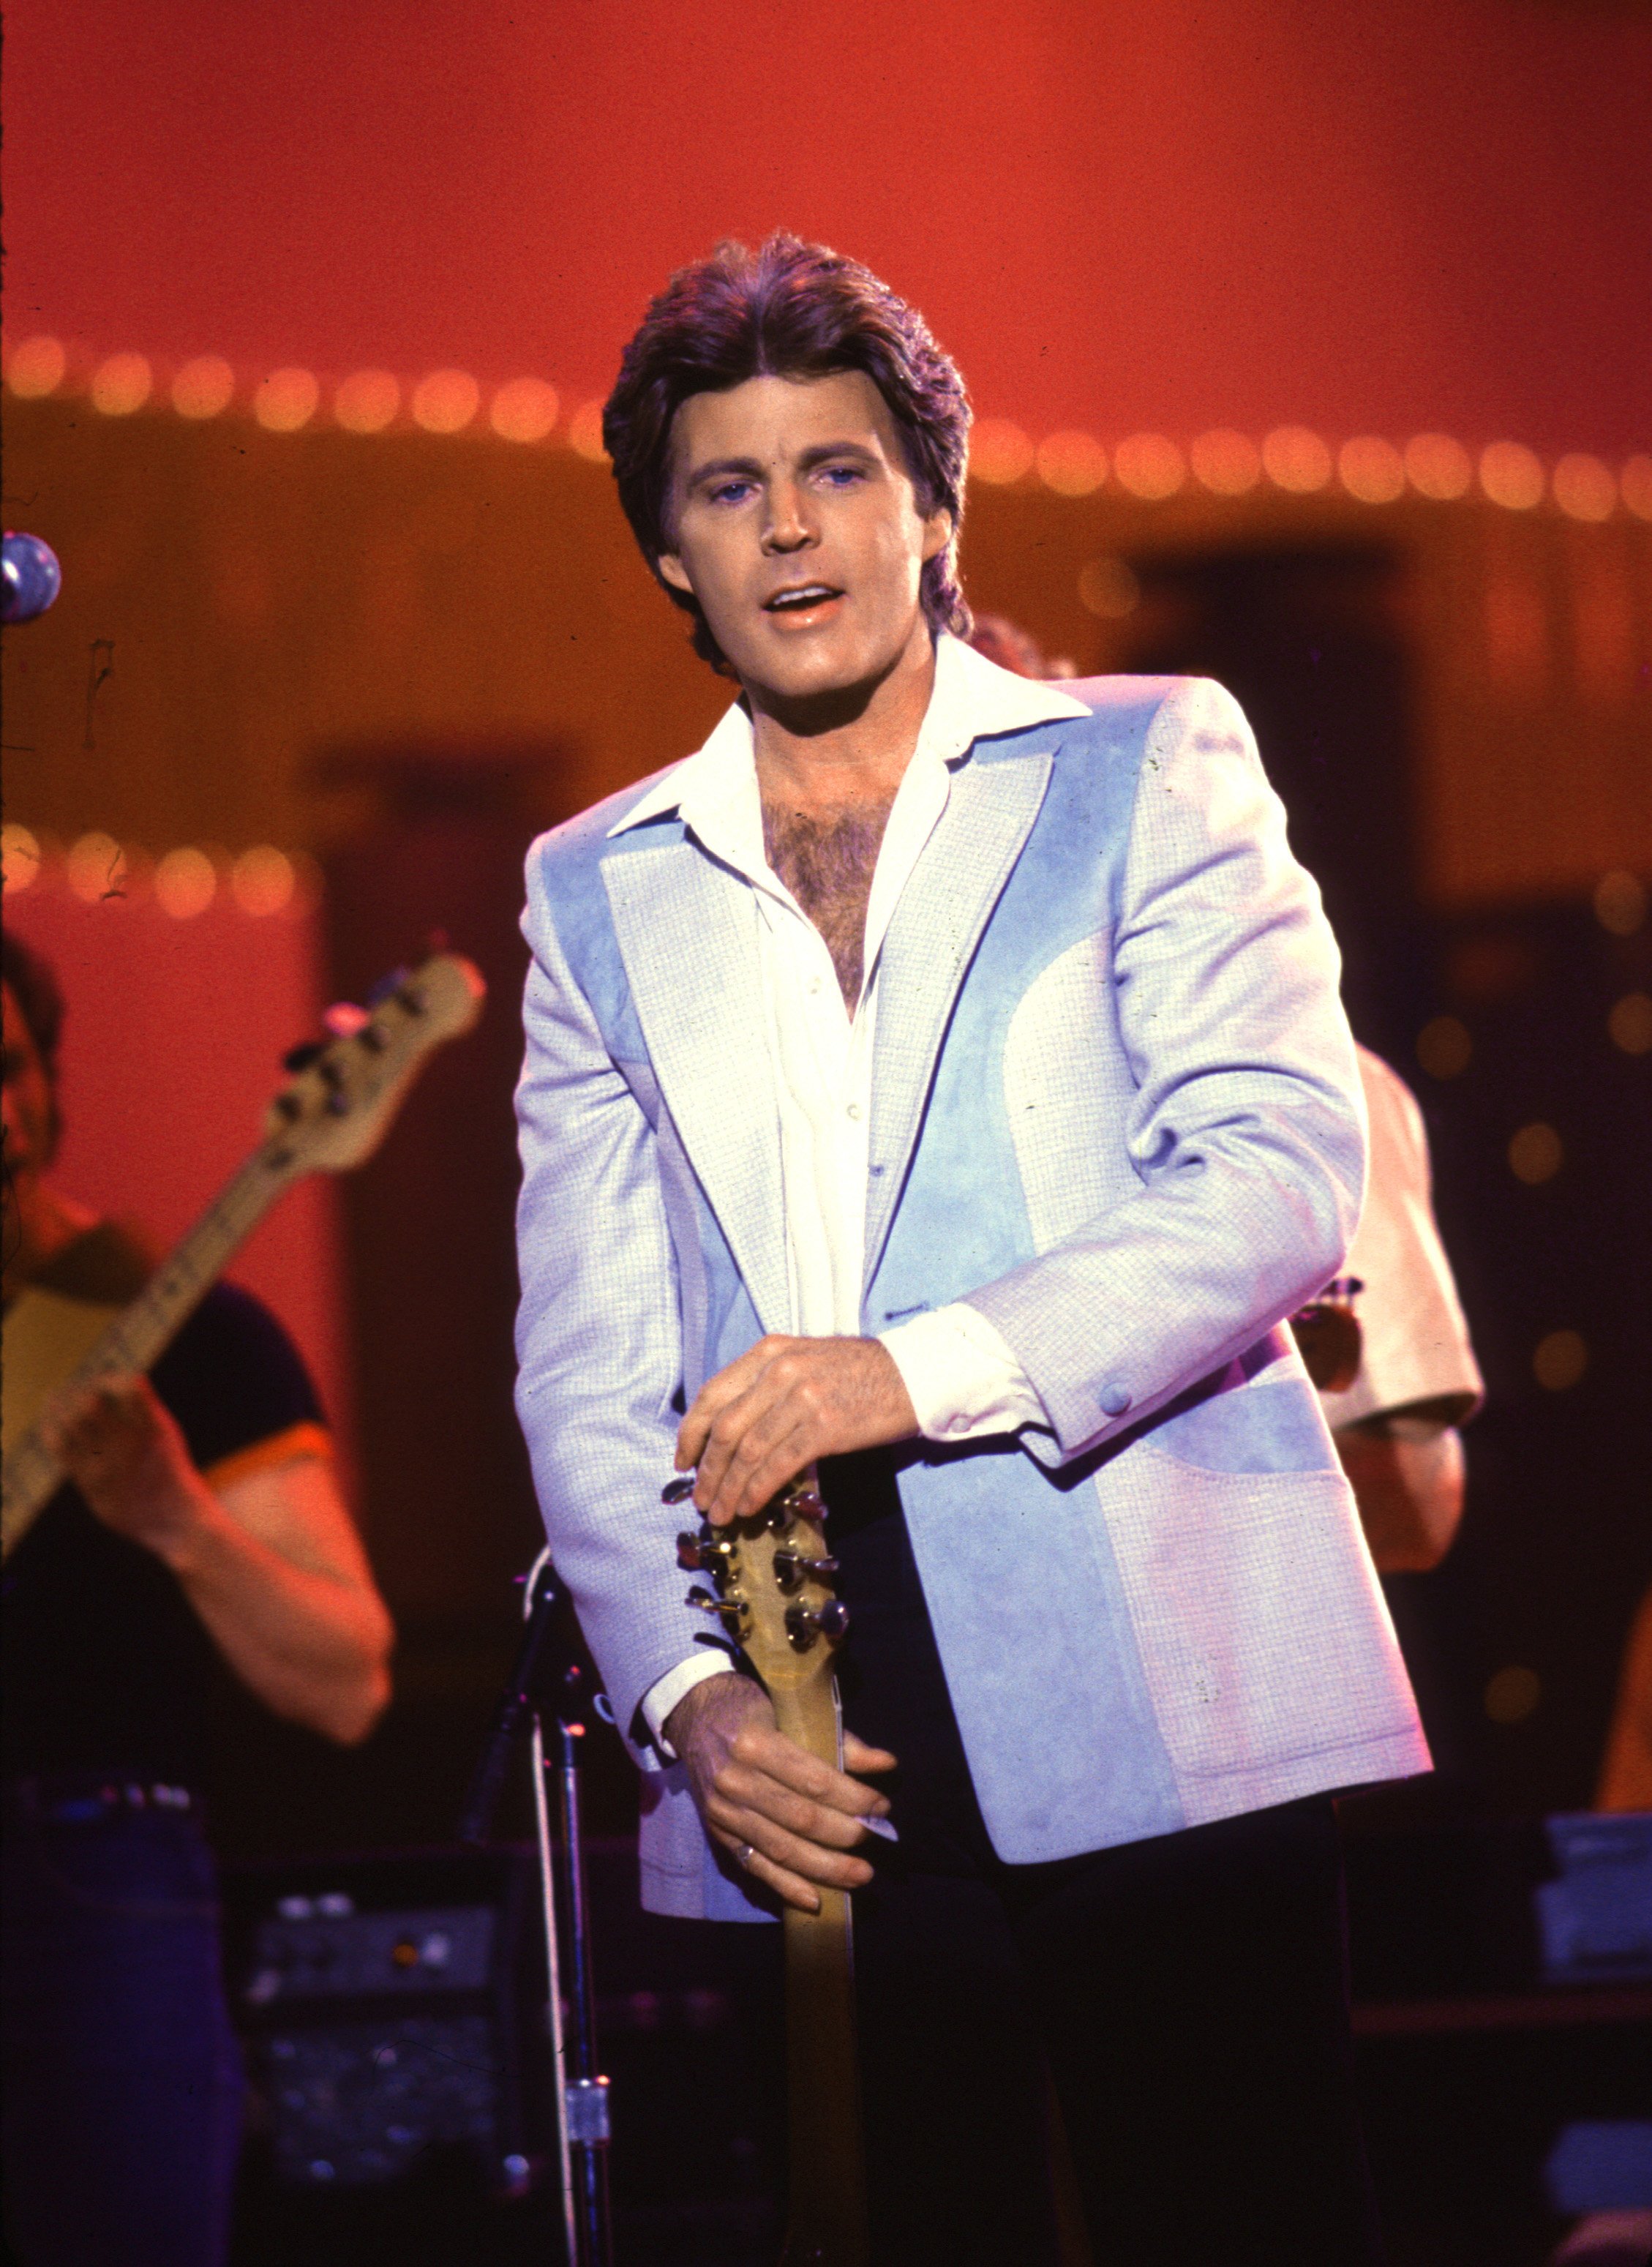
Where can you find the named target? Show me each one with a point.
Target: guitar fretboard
(136, 1339)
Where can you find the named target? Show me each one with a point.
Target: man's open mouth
(801, 599)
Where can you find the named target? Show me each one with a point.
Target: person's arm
(271, 1563)
(1406, 1469)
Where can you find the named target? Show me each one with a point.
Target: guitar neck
(138, 1337)
(826, 2216)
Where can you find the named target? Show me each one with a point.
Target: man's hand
(769, 1415)
(125, 1453)
(756, 1788)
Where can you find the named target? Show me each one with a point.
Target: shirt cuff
(962, 1379)
(663, 1694)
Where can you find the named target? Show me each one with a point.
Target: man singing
(942, 1075)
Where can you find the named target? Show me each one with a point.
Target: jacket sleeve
(1247, 1132)
(598, 1330)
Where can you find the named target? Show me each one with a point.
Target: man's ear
(938, 530)
(673, 571)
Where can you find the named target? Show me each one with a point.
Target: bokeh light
(1619, 901)
(1073, 463)
(1000, 452)
(263, 881)
(1559, 1361)
(121, 384)
(36, 367)
(1634, 485)
(1149, 467)
(1536, 1154)
(1443, 1047)
(367, 400)
(204, 387)
(524, 410)
(446, 401)
(1226, 462)
(19, 857)
(1511, 475)
(1296, 459)
(585, 432)
(185, 883)
(94, 868)
(1438, 467)
(1629, 1025)
(1512, 1695)
(1584, 487)
(1108, 587)
(1372, 469)
(285, 400)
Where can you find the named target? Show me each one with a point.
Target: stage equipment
(539, 1688)
(30, 576)
(390, 2009)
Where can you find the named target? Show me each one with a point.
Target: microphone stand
(580, 2093)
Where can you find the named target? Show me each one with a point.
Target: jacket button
(1115, 1400)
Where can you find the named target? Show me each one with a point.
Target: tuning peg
(303, 1055)
(704, 1554)
(805, 1624)
(792, 1569)
(679, 1489)
(732, 1611)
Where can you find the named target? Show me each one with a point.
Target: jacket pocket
(1262, 1631)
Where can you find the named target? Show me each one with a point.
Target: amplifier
(391, 2007)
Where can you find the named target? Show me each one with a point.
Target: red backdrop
(1117, 213)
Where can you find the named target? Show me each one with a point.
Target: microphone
(30, 578)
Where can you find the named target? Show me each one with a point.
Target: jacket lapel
(688, 937)
(931, 942)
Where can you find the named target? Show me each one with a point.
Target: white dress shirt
(963, 1381)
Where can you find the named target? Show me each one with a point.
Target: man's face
(797, 528)
(30, 1119)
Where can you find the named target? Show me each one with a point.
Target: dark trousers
(121, 2113)
(1187, 1995)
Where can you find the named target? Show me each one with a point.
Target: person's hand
(125, 1453)
(759, 1792)
(771, 1413)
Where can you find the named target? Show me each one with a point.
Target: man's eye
(844, 476)
(731, 491)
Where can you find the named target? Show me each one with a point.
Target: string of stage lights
(1149, 467)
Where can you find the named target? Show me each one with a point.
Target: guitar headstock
(771, 1585)
(335, 1109)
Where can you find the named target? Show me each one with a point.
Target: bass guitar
(329, 1116)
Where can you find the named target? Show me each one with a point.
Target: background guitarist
(204, 1516)
(943, 1076)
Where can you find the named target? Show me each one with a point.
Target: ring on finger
(745, 1855)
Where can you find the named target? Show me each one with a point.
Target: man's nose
(791, 525)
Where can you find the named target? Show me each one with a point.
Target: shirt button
(1115, 1400)
(854, 1110)
(813, 985)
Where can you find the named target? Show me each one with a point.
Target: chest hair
(827, 864)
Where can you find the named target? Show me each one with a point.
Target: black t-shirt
(106, 1666)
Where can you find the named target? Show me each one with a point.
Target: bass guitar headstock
(769, 1585)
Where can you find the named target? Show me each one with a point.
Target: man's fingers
(858, 1757)
(737, 1797)
(714, 1397)
(794, 1854)
(763, 1751)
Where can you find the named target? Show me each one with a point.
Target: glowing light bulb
(1296, 459)
(204, 387)
(93, 868)
(1372, 469)
(1108, 588)
(1634, 485)
(1000, 452)
(35, 367)
(1073, 463)
(367, 400)
(1438, 467)
(1584, 487)
(263, 881)
(285, 400)
(1226, 462)
(1149, 467)
(524, 410)
(121, 384)
(1511, 475)
(446, 401)
(185, 883)
(20, 856)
